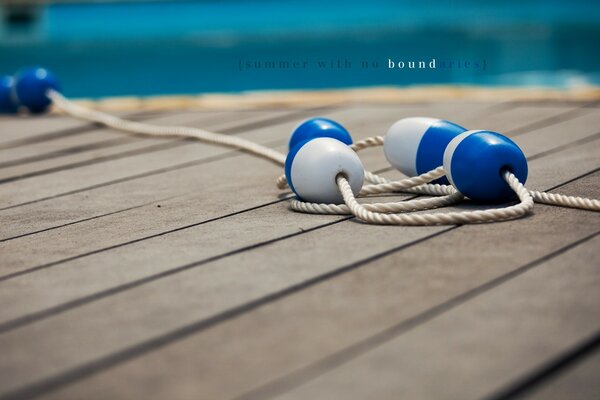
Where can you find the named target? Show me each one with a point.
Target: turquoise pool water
(107, 49)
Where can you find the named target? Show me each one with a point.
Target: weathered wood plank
(286, 336)
(587, 159)
(164, 154)
(122, 146)
(16, 129)
(478, 347)
(51, 165)
(104, 142)
(445, 113)
(577, 382)
(24, 253)
(78, 240)
(25, 130)
(173, 214)
(173, 118)
(521, 119)
(96, 139)
(148, 189)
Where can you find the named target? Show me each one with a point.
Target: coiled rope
(390, 213)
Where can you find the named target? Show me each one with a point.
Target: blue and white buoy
(311, 168)
(475, 160)
(416, 145)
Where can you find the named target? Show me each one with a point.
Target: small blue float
(31, 87)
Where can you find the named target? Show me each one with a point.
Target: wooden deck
(136, 268)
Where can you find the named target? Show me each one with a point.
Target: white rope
(398, 186)
(430, 189)
(371, 177)
(376, 213)
(164, 131)
(565, 201)
(393, 207)
(380, 213)
(373, 141)
(524, 207)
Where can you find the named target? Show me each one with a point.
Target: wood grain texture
(42, 158)
(159, 186)
(177, 272)
(327, 316)
(88, 235)
(577, 382)
(482, 344)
